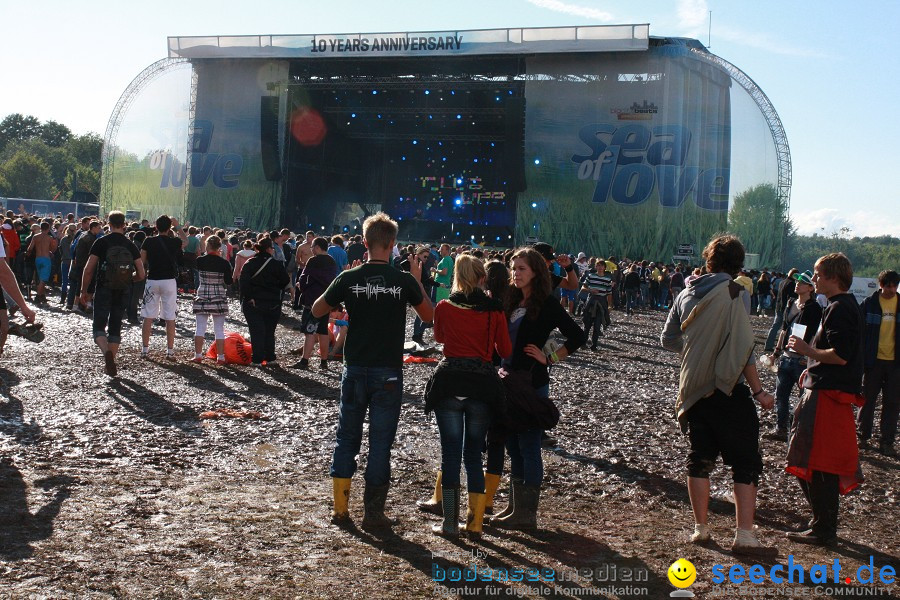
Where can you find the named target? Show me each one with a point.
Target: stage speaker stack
(268, 137)
(514, 144)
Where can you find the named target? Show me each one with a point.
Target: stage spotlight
(498, 238)
(474, 160)
(379, 116)
(415, 142)
(458, 202)
(427, 92)
(452, 93)
(353, 115)
(492, 144)
(498, 100)
(537, 161)
(459, 180)
(374, 92)
(444, 159)
(459, 116)
(402, 158)
(534, 205)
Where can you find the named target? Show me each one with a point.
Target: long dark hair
(540, 285)
(497, 280)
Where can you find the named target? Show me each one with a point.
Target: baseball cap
(804, 277)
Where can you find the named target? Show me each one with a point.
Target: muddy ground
(116, 487)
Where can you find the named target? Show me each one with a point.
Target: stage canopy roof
(598, 38)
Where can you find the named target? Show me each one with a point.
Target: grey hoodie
(671, 338)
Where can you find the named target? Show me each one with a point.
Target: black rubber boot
(510, 506)
(524, 514)
(450, 504)
(374, 499)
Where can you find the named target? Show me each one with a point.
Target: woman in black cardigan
(263, 280)
(533, 314)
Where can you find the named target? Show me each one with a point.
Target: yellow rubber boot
(341, 512)
(434, 504)
(491, 483)
(475, 514)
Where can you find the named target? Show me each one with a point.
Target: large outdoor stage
(602, 139)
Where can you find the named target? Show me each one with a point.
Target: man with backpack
(161, 253)
(117, 263)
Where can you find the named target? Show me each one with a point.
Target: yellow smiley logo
(682, 573)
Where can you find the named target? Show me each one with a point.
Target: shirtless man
(304, 253)
(42, 247)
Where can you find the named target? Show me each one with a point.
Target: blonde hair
(380, 231)
(467, 272)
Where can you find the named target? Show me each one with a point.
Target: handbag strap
(262, 267)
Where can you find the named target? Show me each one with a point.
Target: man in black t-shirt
(823, 451)
(112, 292)
(376, 295)
(161, 253)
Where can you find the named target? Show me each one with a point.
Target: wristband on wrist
(569, 269)
(758, 392)
(552, 358)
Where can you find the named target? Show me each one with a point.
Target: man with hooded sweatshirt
(709, 325)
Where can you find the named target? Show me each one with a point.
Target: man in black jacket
(881, 340)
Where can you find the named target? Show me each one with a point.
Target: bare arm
(828, 357)
(87, 276)
(9, 283)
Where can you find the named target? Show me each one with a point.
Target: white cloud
(692, 13)
(826, 221)
(763, 41)
(573, 9)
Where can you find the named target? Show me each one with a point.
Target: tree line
(762, 221)
(46, 161)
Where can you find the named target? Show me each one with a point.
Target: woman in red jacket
(465, 391)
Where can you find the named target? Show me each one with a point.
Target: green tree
(55, 134)
(26, 176)
(58, 160)
(761, 220)
(86, 149)
(18, 128)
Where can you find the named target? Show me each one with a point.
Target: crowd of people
(493, 313)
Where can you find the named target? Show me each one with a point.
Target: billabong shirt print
(376, 296)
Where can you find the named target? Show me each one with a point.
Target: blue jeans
(379, 391)
(463, 425)
(633, 297)
(64, 267)
(525, 461)
(789, 371)
(772, 338)
(109, 308)
(645, 293)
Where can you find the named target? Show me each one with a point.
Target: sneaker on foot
(887, 449)
(745, 543)
(197, 359)
(701, 534)
(303, 363)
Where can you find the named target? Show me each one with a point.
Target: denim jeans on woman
(789, 371)
(378, 390)
(525, 461)
(463, 425)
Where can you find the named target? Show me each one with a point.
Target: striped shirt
(597, 283)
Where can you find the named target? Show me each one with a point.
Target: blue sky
(832, 73)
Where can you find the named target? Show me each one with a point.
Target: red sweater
(467, 333)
